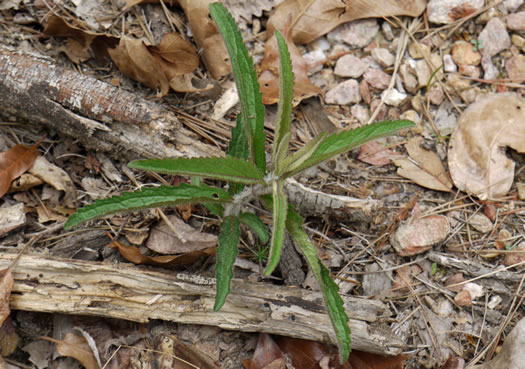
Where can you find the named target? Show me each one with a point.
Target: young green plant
(248, 178)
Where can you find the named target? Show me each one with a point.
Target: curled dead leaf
(476, 155)
(269, 73)
(424, 168)
(14, 162)
(317, 18)
(77, 347)
(176, 55)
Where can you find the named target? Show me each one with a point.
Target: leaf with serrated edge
(226, 254)
(284, 110)
(228, 168)
(252, 108)
(238, 147)
(280, 209)
(281, 152)
(334, 303)
(300, 156)
(256, 225)
(148, 198)
(347, 140)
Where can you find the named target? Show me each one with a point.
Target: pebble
(435, 94)
(387, 31)
(518, 41)
(360, 112)
(445, 118)
(491, 72)
(350, 66)
(463, 52)
(515, 67)
(480, 223)
(418, 50)
(510, 6)
(377, 78)
(393, 97)
(315, 60)
(448, 11)
(357, 34)
(409, 79)
(470, 70)
(516, 21)
(449, 64)
(494, 37)
(422, 72)
(383, 57)
(364, 90)
(344, 93)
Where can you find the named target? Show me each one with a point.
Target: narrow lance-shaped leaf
(284, 110)
(295, 160)
(334, 303)
(148, 198)
(252, 108)
(228, 168)
(347, 140)
(256, 225)
(238, 148)
(226, 254)
(280, 209)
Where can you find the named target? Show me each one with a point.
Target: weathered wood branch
(101, 116)
(141, 294)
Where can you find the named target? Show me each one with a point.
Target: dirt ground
(412, 239)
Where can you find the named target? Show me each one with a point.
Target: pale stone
(344, 93)
(445, 11)
(494, 37)
(383, 57)
(350, 66)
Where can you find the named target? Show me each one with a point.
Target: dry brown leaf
(476, 156)
(207, 36)
(56, 177)
(269, 73)
(163, 240)
(133, 255)
(77, 347)
(176, 55)
(133, 58)
(267, 355)
(373, 153)
(14, 162)
(6, 285)
(322, 16)
(425, 168)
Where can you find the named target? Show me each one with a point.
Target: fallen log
(141, 294)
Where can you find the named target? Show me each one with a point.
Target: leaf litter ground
(438, 312)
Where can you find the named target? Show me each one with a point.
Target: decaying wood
(102, 117)
(141, 294)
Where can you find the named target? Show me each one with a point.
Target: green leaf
(226, 254)
(280, 154)
(280, 209)
(252, 108)
(228, 168)
(148, 198)
(256, 225)
(334, 303)
(347, 140)
(238, 147)
(284, 111)
(295, 160)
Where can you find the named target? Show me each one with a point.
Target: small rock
(521, 190)
(315, 60)
(377, 78)
(435, 94)
(445, 309)
(480, 223)
(463, 298)
(515, 67)
(463, 52)
(408, 77)
(364, 90)
(350, 66)
(357, 34)
(383, 57)
(494, 302)
(491, 72)
(360, 113)
(344, 93)
(515, 257)
(470, 70)
(494, 37)
(510, 6)
(449, 64)
(516, 21)
(448, 11)
(423, 73)
(411, 115)
(393, 97)
(387, 31)
(518, 41)
(418, 50)
(418, 235)
(445, 119)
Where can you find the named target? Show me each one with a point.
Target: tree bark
(140, 294)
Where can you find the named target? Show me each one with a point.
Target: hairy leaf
(347, 140)
(226, 254)
(280, 209)
(295, 160)
(284, 111)
(256, 225)
(228, 168)
(252, 109)
(334, 303)
(238, 148)
(148, 198)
